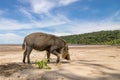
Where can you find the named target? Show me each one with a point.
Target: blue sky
(59, 17)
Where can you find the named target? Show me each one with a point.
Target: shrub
(42, 64)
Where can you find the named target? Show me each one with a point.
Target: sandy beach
(88, 62)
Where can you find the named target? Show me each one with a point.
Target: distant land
(111, 37)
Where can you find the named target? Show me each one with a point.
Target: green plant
(42, 64)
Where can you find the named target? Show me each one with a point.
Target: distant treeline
(101, 37)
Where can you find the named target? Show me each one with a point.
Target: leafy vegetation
(42, 64)
(101, 37)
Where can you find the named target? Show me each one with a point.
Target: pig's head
(65, 53)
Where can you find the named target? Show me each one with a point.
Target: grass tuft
(42, 64)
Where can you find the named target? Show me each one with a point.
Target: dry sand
(88, 62)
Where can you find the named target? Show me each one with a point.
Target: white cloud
(42, 6)
(10, 38)
(66, 2)
(26, 13)
(85, 27)
(10, 24)
(61, 24)
(45, 6)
